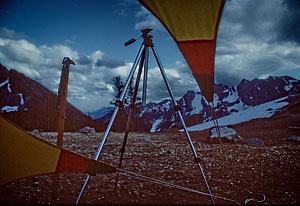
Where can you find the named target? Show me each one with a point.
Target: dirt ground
(230, 169)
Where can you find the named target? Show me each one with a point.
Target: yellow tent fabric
(23, 155)
(187, 19)
(193, 24)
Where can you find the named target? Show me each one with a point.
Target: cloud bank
(90, 81)
(255, 40)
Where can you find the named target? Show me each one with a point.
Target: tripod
(142, 58)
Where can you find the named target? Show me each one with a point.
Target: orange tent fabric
(23, 155)
(193, 24)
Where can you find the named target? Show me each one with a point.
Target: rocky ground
(231, 170)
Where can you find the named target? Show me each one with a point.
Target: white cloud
(249, 57)
(248, 45)
(96, 55)
(88, 83)
(123, 71)
(179, 78)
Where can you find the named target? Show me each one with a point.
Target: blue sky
(257, 38)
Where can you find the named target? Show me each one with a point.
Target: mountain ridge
(32, 106)
(196, 110)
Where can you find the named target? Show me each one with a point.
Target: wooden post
(61, 107)
(62, 99)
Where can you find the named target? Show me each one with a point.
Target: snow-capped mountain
(32, 106)
(242, 99)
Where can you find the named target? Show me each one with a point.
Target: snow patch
(172, 125)
(197, 105)
(293, 127)
(238, 107)
(265, 110)
(288, 87)
(21, 98)
(289, 84)
(8, 84)
(232, 97)
(165, 107)
(9, 109)
(155, 124)
(4, 83)
(216, 99)
(183, 102)
(8, 87)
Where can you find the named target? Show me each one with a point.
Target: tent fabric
(193, 25)
(23, 155)
(200, 56)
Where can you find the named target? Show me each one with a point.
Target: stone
(147, 138)
(254, 141)
(294, 138)
(227, 133)
(87, 130)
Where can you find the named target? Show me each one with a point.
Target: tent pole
(132, 107)
(177, 108)
(130, 76)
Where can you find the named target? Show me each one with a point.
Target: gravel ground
(231, 170)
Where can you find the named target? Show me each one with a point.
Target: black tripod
(142, 59)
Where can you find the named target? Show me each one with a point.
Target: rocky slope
(32, 106)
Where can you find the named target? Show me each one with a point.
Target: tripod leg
(145, 76)
(133, 100)
(130, 76)
(196, 158)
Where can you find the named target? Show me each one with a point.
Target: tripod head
(146, 33)
(146, 36)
